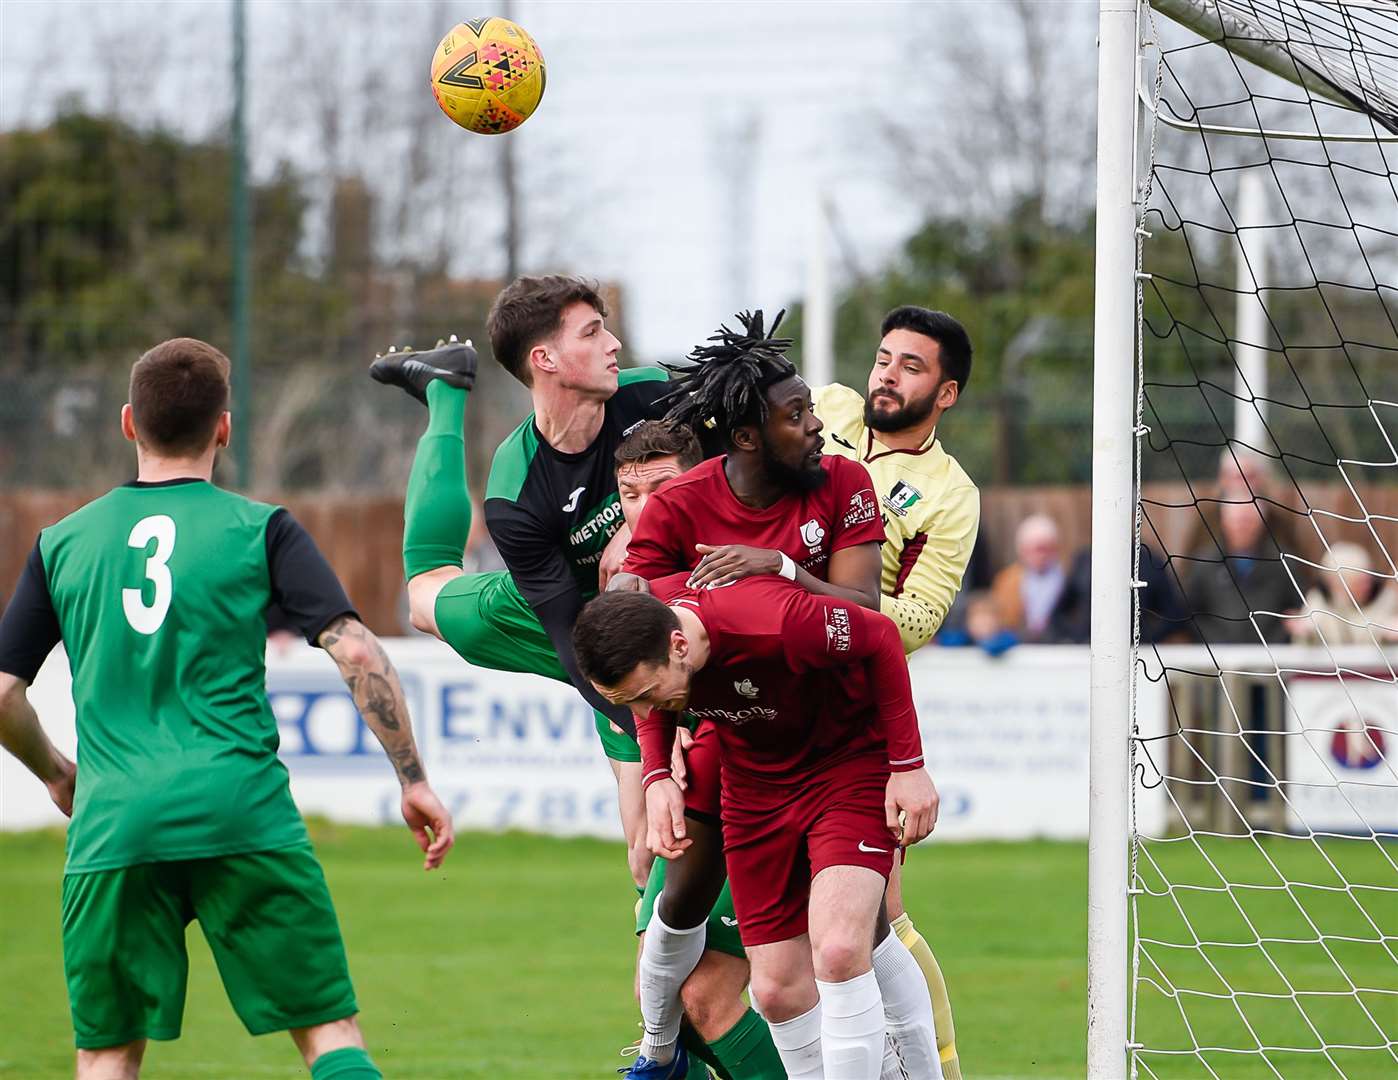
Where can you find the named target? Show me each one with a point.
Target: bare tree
(1001, 109)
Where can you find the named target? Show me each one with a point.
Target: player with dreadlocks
(772, 504)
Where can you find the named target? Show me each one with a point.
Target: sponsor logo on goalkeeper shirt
(812, 534)
(746, 688)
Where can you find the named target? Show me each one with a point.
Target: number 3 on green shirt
(144, 618)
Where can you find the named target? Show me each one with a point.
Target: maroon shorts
(703, 776)
(777, 839)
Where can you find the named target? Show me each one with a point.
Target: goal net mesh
(1264, 855)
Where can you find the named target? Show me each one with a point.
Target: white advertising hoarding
(1006, 740)
(1340, 761)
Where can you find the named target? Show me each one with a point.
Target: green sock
(437, 510)
(700, 1054)
(346, 1063)
(747, 1051)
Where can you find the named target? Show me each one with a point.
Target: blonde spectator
(1026, 591)
(1350, 605)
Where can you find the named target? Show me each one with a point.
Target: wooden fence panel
(362, 535)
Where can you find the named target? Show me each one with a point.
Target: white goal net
(1264, 901)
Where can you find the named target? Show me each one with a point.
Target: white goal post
(1113, 505)
(1257, 934)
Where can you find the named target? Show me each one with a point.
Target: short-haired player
(821, 760)
(772, 504)
(551, 500)
(931, 512)
(180, 807)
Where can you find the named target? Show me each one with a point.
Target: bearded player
(722, 1031)
(551, 500)
(771, 481)
(180, 807)
(931, 511)
(816, 519)
(821, 759)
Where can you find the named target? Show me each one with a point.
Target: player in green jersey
(551, 501)
(180, 807)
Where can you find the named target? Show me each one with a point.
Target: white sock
(798, 1045)
(907, 1007)
(892, 1062)
(852, 1028)
(667, 958)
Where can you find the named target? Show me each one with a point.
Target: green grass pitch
(517, 961)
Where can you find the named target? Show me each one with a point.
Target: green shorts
(489, 624)
(266, 916)
(721, 932)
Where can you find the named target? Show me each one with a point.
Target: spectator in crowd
(1162, 609)
(1239, 585)
(981, 626)
(1244, 475)
(1350, 605)
(1026, 591)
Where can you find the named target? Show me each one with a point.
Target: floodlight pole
(242, 241)
(1113, 440)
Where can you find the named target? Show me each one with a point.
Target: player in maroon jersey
(821, 756)
(772, 505)
(771, 488)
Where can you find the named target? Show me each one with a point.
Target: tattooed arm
(378, 695)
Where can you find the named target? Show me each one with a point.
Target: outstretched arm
(22, 736)
(378, 695)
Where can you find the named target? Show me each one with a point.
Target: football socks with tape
(907, 1008)
(798, 1043)
(936, 984)
(667, 959)
(852, 1027)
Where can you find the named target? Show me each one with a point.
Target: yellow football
(488, 75)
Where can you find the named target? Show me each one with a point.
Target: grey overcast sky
(679, 149)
